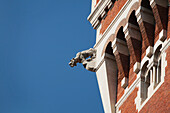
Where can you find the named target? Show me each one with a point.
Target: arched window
(158, 65)
(145, 80)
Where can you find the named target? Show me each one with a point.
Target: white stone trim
(152, 3)
(128, 91)
(128, 31)
(158, 43)
(163, 35)
(124, 82)
(112, 23)
(93, 3)
(105, 55)
(153, 87)
(149, 51)
(165, 45)
(98, 11)
(141, 13)
(119, 111)
(162, 3)
(141, 103)
(120, 46)
(144, 60)
(136, 67)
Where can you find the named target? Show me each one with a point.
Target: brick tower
(132, 55)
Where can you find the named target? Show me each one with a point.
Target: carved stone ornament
(87, 58)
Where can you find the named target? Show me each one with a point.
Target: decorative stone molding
(120, 46)
(105, 56)
(145, 93)
(136, 67)
(144, 15)
(149, 51)
(133, 38)
(132, 31)
(121, 52)
(99, 11)
(163, 35)
(124, 82)
(155, 83)
(93, 3)
(127, 93)
(146, 22)
(162, 3)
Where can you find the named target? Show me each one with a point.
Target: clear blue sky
(37, 40)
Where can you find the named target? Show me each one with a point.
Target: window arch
(158, 65)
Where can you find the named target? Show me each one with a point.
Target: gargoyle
(82, 57)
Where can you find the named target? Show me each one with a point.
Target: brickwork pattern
(112, 14)
(168, 35)
(129, 104)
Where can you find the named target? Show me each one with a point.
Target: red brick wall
(132, 77)
(147, 36)
(161, 18)
(129, 105)
(112, 14)
(97, 1)
(157, 31)
(168, 35)
(120, 91)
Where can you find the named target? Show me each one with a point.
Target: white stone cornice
(98, 11)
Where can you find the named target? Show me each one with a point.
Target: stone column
(143, 91)
(152, 81)
(107, 80)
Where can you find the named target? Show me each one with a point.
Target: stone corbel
(145, 20)
(121, 53)
(133, 38)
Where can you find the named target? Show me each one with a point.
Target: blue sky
(37, 40)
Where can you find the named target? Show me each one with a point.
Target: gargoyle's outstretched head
(72, 62)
